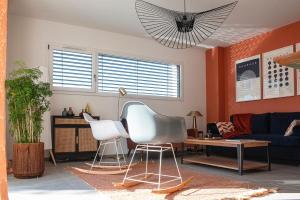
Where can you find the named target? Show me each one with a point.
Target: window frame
(71, 89)
(94, 90)
(141, 60)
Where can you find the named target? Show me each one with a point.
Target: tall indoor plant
(27, 102)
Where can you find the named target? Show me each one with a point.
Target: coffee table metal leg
(182, 153)
(268, 157)
(240, 157)
(207, 150)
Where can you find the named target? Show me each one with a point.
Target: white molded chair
(107, 132)
(156, 133)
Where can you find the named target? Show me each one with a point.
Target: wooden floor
(224, 162)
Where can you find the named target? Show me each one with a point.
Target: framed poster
(278, 80)
(248, 79)
(298, 72)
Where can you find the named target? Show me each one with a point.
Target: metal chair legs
(107, 167)
(120, 160)
(129, 181)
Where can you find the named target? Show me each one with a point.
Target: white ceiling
(249, 18)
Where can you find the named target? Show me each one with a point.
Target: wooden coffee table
(240, 164)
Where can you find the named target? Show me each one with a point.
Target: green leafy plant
(27, 102)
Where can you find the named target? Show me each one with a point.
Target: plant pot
(28, 160)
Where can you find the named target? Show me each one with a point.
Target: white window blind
(137, 76)
(72, 69)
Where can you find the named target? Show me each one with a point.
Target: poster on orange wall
(298, 72)
(248, 79)
(278, 80)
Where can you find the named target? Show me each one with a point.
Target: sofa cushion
(279, 122)
(277, 140)
(260, 123)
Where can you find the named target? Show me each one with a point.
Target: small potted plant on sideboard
(27, 102)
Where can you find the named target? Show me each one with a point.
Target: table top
(228, 143)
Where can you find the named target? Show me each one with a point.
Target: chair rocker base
(101, 172)
(101, 166)
(173, 189)
(129, 184)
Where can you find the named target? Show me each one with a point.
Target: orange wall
(3, 37)
(215, 84)
(281, 37)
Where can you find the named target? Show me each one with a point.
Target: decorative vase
(28, 160)
(64, 112)
(81, 114)
(70, 112)
(87, 109)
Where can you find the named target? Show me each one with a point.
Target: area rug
(203, 186)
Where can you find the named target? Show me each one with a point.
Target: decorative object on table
(108, 132)
(81, 113)
(70, 112)
(177, 29)
(122, 93)
(159, 132)
(72, 138)
(278, 80)
(64, 112)
(248, 79)
(27, 102)
(208, 134)
(194, 114)
(87, 109)
(194, 133)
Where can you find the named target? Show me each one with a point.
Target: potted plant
(27, 102)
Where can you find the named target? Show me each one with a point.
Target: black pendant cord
(181, 29)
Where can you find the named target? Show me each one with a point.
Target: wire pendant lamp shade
(180, 30)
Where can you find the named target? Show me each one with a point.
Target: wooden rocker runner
(158, 134)
(108, 132)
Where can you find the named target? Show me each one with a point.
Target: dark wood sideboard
(72, 139)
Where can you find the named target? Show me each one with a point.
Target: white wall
(28, 39)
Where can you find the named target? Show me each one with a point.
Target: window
(138, 77)
(77, 70)
(71, 69)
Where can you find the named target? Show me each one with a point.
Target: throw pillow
(289, 130)
(242, 123)
(225, 127)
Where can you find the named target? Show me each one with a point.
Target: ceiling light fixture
(180, 30)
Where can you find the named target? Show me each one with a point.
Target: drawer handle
(77, 140)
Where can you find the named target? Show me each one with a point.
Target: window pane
(71, 69)
(138, 77)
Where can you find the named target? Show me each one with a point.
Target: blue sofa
(271, 127)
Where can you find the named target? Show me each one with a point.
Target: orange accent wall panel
(3, 40)
(215, 85)
(281, 37)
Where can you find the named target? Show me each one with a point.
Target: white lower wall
(28, 39)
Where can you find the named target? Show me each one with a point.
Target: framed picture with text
(248, 85)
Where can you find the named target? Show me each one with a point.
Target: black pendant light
(180, 29)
